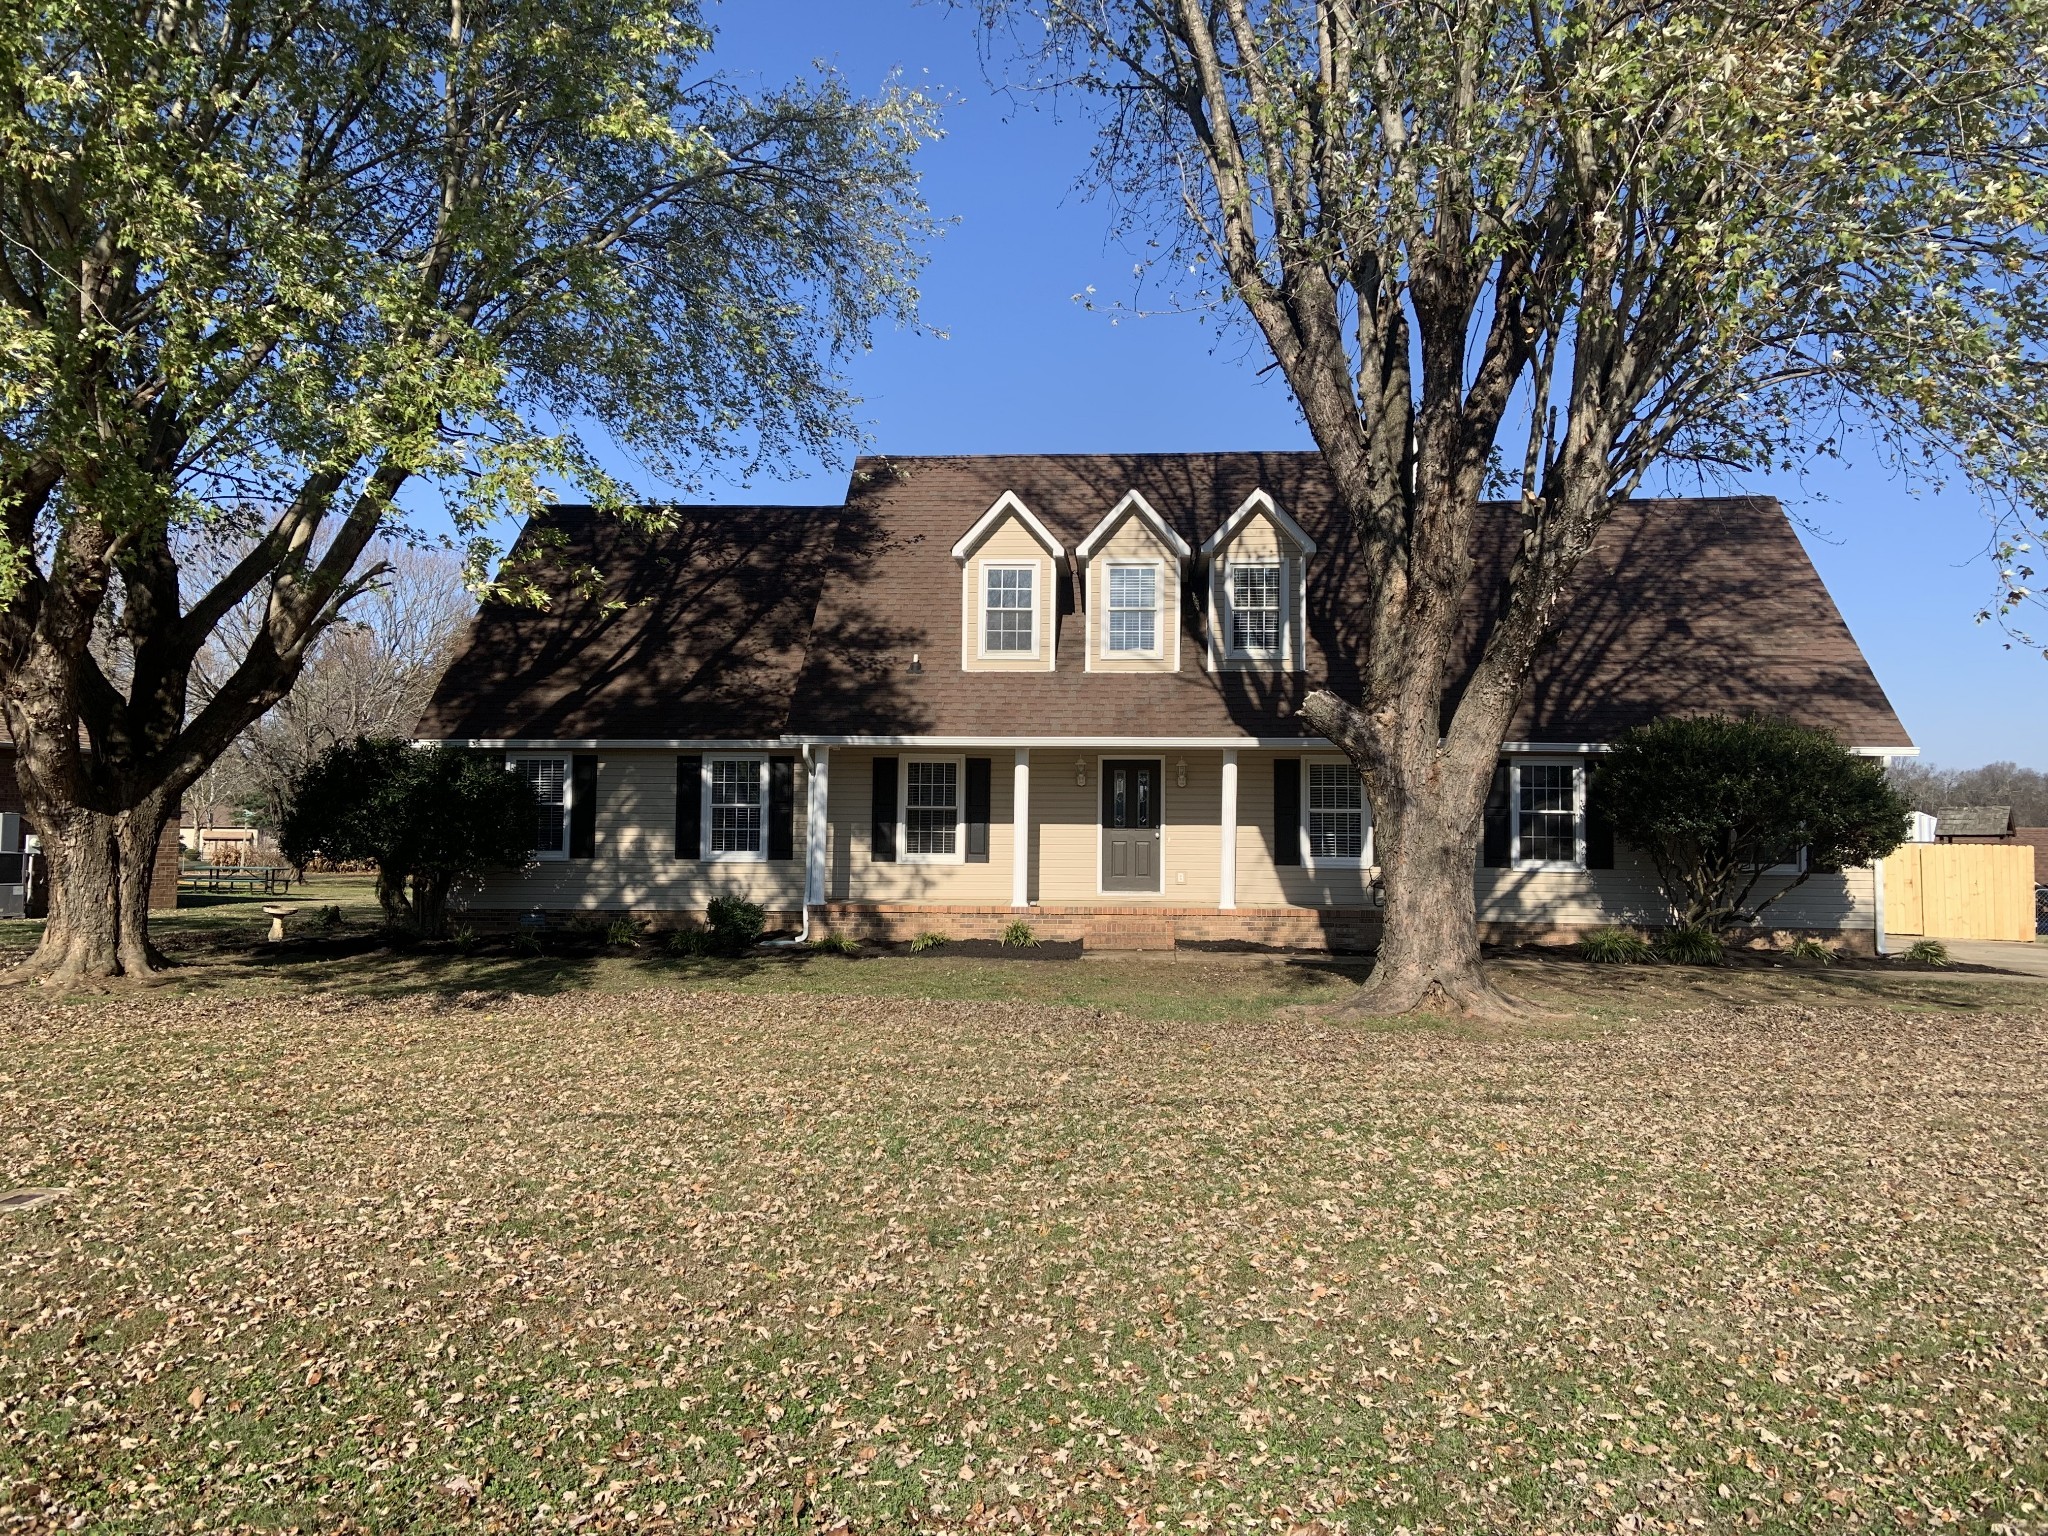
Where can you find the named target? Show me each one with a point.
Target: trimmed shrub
(1019, 936)
(1690, 946)
(1615, 946)
(736, 924)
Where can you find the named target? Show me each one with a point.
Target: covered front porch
(1117, 844)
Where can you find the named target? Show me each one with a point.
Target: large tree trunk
(101, 867)
(1428, 798)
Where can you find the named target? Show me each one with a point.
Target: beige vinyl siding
(1008, 543)
(1067, 869)
(1134, 542)
(851, 873)
(1261, 882)
(1628, 893)
(635, 868)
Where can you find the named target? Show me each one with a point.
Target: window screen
(549, 777)
(1133, 608)
(1547, 802)
(931, 808)
(1336, 812)
(736, 805)
(1011, 608)
(1255, 607)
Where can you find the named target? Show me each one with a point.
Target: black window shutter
(1495, 852)
(1286, 810)
(583, 807)
(690, 807)
(781, 807)
(882, 843)
(977, 809)
(1599, 830)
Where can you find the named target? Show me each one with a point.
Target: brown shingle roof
(1683, 605)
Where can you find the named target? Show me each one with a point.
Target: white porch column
(817, 834)
(1020, 831)
(1227, 861)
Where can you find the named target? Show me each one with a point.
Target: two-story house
(1064, 689)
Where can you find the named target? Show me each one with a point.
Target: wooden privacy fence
(1960, 891)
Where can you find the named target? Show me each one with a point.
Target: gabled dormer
(1132, 563)
(1009, 569)
(1257, 564)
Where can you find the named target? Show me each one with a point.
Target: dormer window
(1255, 609)
(1010, 610)
(1134, 610)
(1009, 577)
(1258, 563)
(1133, 561)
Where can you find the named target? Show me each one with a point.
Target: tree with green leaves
(271, 275)
(1734, 814)
(1549, 251)
(428, 817)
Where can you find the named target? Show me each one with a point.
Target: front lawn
(405, 1248)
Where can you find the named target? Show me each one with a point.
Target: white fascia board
(1595, 748)
(1137, 506)
(1253, 505)
(1088, 743)
(610, 743)
(1007, 505)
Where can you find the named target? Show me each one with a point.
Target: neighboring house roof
(755, 622)
(1973, 821)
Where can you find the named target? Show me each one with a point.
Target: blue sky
(1023, 368)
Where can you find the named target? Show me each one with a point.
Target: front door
(1130, 824)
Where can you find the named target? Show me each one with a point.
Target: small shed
(1973, 824)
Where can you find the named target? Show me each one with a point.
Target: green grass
(218, 949)
(684, 1257)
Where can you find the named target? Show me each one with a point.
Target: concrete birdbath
(277, 914)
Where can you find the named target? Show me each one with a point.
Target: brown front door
(1130, 824)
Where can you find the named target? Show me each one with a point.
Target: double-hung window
(931, 810)
(1549, 816)
(1009, 610)
(1134, 609)
(1255, 609)
(549, 777)
(1339, 830)
(735, 807)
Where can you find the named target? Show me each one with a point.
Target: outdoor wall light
(1180, 772)
(1080, 773)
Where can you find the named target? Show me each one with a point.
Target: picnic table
(270, 879)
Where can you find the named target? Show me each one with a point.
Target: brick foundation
(1133, 926)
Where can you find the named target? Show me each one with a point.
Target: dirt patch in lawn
(685, 1260)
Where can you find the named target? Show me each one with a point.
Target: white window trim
(959, 853)
(1308, 847)
(1578, 768)
(1283, 650)
(704, 808)
(554, 855)
(1039, 587)
(1158, 650)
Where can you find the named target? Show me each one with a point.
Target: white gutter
(1098, 743)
